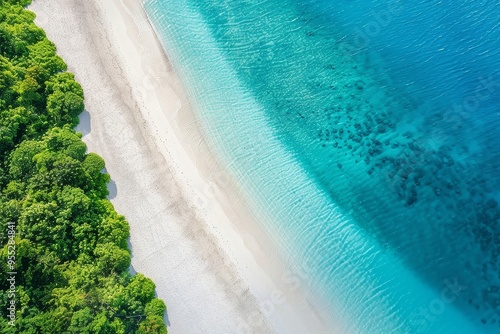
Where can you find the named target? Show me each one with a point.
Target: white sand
(190, 232)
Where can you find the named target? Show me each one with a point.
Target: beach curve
(189, 231)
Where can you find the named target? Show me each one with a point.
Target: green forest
(64, 254)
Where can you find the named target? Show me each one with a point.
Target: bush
(71, 245)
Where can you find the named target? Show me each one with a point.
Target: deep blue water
(391, 110)
(437, 51)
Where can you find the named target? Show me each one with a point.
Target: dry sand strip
(190, 233)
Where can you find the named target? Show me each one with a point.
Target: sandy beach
(190, 231)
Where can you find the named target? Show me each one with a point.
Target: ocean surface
(365, 134)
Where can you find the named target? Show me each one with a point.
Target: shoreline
(190, 232)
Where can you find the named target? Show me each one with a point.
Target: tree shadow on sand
(134, 272)
(84, 126)
(112, 190)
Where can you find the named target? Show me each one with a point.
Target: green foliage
(71, 245)
(111, 259)
(22, 164)
(155, 307)
(65, 98)
(152, 324)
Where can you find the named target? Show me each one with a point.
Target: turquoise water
(365, 133)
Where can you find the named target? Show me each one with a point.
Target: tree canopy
(71, 254)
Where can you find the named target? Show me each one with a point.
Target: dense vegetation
(70, 246)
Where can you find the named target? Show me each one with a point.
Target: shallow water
(366, 135)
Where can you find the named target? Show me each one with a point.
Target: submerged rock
(491, 203)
